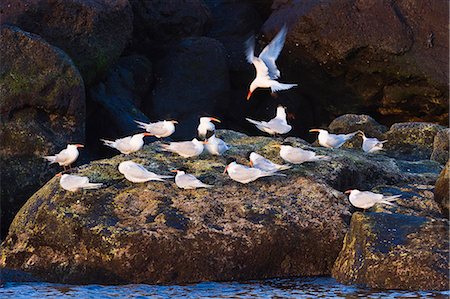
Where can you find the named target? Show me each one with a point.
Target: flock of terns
(267, 74)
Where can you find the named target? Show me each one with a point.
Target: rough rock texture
(124, 232)
(394, 251)
(192, 81)
(441, 193)
(93, 32)
(158, 22)
(42, 109)
(441, 146)
(412, 141)
(349, 64)
(348, 123)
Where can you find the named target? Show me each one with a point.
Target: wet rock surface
(42, 108)
(441, 190)
(441, 146)
(394, 251)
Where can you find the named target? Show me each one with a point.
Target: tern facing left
(74, 183)
(258, 161)
(329, 140)
(186, 149)
(137, 173)
(277, 125)
(296, 155)
(216, 146)
(65, 157)
(244, 174)
(266, 69)
(160, 129)
(188, 181)
(127, 145)
(371, 145)
(206, 126)
(366, 199)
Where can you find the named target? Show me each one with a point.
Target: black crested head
(230, 160)
(247, 154)
(209, 134)
(287, 143)
(182, 169)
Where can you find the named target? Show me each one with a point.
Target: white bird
(188, 181)
(186, 149)
(258, 161)
(65, 157)
(206, 126)
(216, 146)
(266, 69)
(296, 155)
(137, 173)
(159, 129)
(277, 125)
(244, 174)
(127, 145)
(367, 199)
(74, 183)
(332, 140)
(371, 145)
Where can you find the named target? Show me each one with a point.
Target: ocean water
(320, 287)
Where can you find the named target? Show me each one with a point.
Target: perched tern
(186, 149)
(127, 145)
(277, 125)
(188, 181)
(137, 173)
(215, 146)
(266, 69)
(371, 145)
(158, 129)
(65, 157)
(74, 183)
(206, 126)
(244, 174)
(296, 155)
(366, 199)
(258, 161)
(332, 140)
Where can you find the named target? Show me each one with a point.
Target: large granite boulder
(395, 251)
(441, 146)
(441, 190)
(93, 32)
(42, 108)
(349, 64)
(156, 233)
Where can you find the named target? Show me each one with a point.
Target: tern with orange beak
(206, 126)
(296, 155)
(127, 145)
(244, 174)
(186, 149)
(74, 183)
(266, 69)
(371, 145)
(258, 161)
(276, 126)
(159, 129)
(332, 140)
(65, 157)
(188, 181)
(366, 199)
(137, 173)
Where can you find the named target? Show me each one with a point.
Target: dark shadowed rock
(192, 81)
(348, 123)
(441, 193)
(411, 141)
(42, 109)
(441, 146)
(349, 64)
(93, 32)
(394, 251)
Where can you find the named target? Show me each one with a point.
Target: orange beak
(147, 134)
(79, 145)
(214, 119)
(58, 174)
(174, 121)
(226, 168)
(315, 130)
(249, 95)
(205, 142)
(250, 163)
(174, 170)
(348, 191)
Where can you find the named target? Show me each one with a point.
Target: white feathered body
(74, 183)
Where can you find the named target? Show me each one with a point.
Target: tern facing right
(65, 157)
(158, 129)
(127, 145)
(296, 155)
(366, 199)
(277, 125)
(332, 140)
(244, 174)
(186, 149)
(137, 173)
(74, 183)
(188, 181)
(371, 145)
(258, 161)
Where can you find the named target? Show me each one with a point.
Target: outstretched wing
(250, 49)
(271, 52)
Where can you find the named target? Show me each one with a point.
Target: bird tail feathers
(51, 159)
(255, 122)
(282, 86)
(107, 142)
(93, 186)
(389, 199)
(284, 167)
(141, 125)
(323, 158)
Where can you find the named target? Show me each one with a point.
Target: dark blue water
(276, 288)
